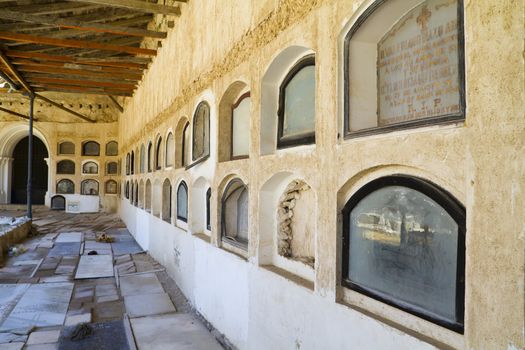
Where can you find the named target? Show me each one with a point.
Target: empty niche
(296, 224)
(287, 226)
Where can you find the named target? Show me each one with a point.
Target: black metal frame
(224, 199)
(208, 209)
(126, 190)
(181, 218)
(204, 139)
(184, 145)
(235, 105)
(150, 146)
(158, 165)
(453, 207)
(166, 150)
(304, 139)
(443, 119)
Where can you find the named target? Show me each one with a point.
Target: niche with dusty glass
(66, 147)
(201, 132)
(234, 214)
(404, 244)
(66, 167)
(89, 187)
(111, 187)
(65, 186)
(90, 148)
(90, 168)
(111, 168)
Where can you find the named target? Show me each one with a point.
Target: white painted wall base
(256, 308)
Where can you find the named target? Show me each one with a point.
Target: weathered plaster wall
(52, 133)
(480, 162)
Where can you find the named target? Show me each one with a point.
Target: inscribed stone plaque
(9, 296)
(417, 65)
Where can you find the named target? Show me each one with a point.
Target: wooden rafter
(114, 100)
(55, 8)
(80, 72)
(82, 44)
(82, 89)
(137, 5)
(50, 66)
(14, 72)
(77, 60)
(73, 24)
(90, 83)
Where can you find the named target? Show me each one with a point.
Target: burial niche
(90, 168)
(65, 186)
(89, 187)
(112, 148)
(111, 187)
(58, 203)
(66, 147)
(404, 66)
(234, 223)
(296, 230)
(404, 244)
(90, 148)
(66, 167)
(111, 168)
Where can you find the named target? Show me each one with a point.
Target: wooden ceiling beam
(73, 24)
(79, 72)
(79, 82)
(137, 5)
(29, 65)
(35, 77)
(70, 33)
(114, 100)
(5, 60)
(76, 60)
(82, 44)
(85, 90)
(55, 8)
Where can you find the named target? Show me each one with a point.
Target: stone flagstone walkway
(66, 278)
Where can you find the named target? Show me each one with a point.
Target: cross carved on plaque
(424, 17)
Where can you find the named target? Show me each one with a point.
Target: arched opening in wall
(170, 150)
(136, 195)
(148, 196)
(208, 209)
(141, 194)
(403, 243)
(126, 191)
(111, 187)
(150, 155)
(111, 168)
(90, 167)
(182, 202)
(288, 121)
(287, 226)
(65, 186)
(142, 158)
(234, 122)
(158, 153)
(383, 81)
(234, 214)
(132, 163)
(156, 205)
(66, 166)
(89, 187)
(66, 148)
(90, 148)
(127, 164)
(58, 203)
(112, 148)
(198, 205)
(201, 132)
(166, 201)
(19, 175)
(180, 143)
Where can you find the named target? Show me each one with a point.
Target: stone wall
(480, 162)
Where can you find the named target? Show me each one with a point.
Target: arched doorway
(40, 172)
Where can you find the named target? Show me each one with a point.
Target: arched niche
(58, 202)
(111, 168)
(142, 159)
(156, 205)
(182, 145)
(65, 186)
(90, 167)
(235, 214)
(147, 204)
(158, 152)
(66, 148)
(199, 207)
(90, 148)
(169, 154)
(89, 187)
(66, 166)
(271, 83)
(231, 97)
(111, 187)
(287, 226)
(141, 194)
(166, 200)
(112, 148)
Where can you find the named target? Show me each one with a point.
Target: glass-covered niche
(297, 105)
(404, 66)
(90, 187)
(66, 167)
(66, 147)
(65, 186)
(90, 148)
(234, 219)
(182, 202)
(112, 168)
(111, 187)
(403, 243)
(201, 131)
(241, 127)
(112, 148)
(90, 168)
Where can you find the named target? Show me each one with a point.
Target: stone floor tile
(12, 346)
(43, 337)
(148, 304)
(76, 319)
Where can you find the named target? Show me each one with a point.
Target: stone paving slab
(172, 331)
(42, 305)
(148, 304)
(12, 346)
(61, 249)
(69, 237)
(95, 266)
(106, 336)
(146, 283)
(126, 247)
